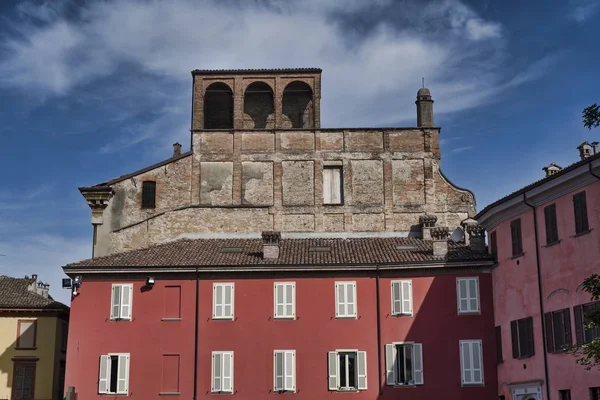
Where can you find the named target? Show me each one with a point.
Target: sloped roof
(296, 252)
(14, 293)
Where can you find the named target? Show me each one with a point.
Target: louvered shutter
(567, 327)
(279, 300)
(340, 299)
(351, 299)
(218, 297)
(290, 370)
(548, 223)
(396, 297)
(228, 302)
(549, 332)
(473, 285)
(103, 374)
(584, 216)
(227, 383)
(327, 185)
(278, 367)
(579, 332)
(465, 356)
(476, 359)
(126, 301)
(332, 368)
(463, 297)
(407, 298)
(123, 374)
(336, 186)
(391, 365)
(530, 342)
(216, 372)
(115, 310)
(417, 349)
(514, 334)
(513, 236)
(362, 370)
(290, 300)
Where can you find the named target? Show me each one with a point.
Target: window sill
(346, 317)
(285, 318)
(351, 390)
(402, 315)
(333, 204)
(120, 320)
(148, 208)
(469, 313)
(221, 392)
(25, 348)
(405, 386)
(553, 243)
(222, 318)
(473, 385)
(581, 233)
(514, 257)
(170, 319)
(168, 393)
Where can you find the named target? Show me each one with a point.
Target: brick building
(546, 240)
(278, 257)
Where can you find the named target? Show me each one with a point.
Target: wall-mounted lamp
(77, 281)
(150, 281)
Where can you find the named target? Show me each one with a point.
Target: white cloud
(478, 29)
(583, 9)
(461, 149)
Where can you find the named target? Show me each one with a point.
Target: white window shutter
(396, 298)
(391, 366)
(477, 367)
(290, 370)
(217, 301)
(327, 183)
(407, 307)
(279, 304)
(103, 374)
(351, 299)
(474, 294)
(227, 384)
(417, 349)
(465, 362)
(362, 370)
(278, 367)
(229, 300)
(463, 300)
(123, 374)
(126, 300)
(115, 302)
(340, 308)
(216, 372)
(291, 300)
(332, 368)
(336, 186)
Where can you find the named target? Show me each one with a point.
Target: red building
(383, 317)
(546, 240)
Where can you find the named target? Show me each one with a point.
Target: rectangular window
(121, 301)
(499, 356)
(580, 208)
(170, 374)
(284, 371)
(148, 194)
(595, 393)
(345, 299)
(564, 394)
(493, 243)
(223, 299)
(515, 235)
(222, 372)
(467, 290)
(113, 374)
(585, 335)
(332, 185)
(347, 370)
(471, 362)
(172, 302)
(285, 300)
(23, 380)
(27, 333)
(64, 335)
(551, 226)
(522, 337)
(404, 364)
(558, 330)
(402, 302)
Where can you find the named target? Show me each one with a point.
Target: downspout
(540, 294)
(196, 338)
(378, 329)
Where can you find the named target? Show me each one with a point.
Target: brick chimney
(595, 147)
(585, 150)
(477, 238)
(427, 222)
(176, 149)
(271, 241)
(440, 241)
(551, 169)
(43, 288)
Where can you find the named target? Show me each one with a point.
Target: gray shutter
(216, 372)
(126, 300)
(218, 297)
(103, 374)
(391, 365)
(362, 370)
(396, 297)
(465, 357)
(407, 303)
(477, 359)
(123, 374)
(228, 301)
(417, 349)
(340, 299)
(291, 300)
(115, 301)
(279, 300)
(473, 295)
(278, 367)
(463, 298)
(332, 368)
(351, 300)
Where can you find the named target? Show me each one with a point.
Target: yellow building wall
(46, 342)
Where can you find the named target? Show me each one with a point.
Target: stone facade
(246, 181)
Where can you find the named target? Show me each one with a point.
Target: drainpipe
(541, 296)
(378, 329)
(196, 339)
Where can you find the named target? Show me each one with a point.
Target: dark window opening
(218, 107)
(499, 357)
(582, 313)
(405, 364)
(594, 393)
(297, 105)
(259, 109)
(149, 194)
(114, 374)
(515, 235)
(558, 330)
(551, 226)
(580, 208)
(23, 380)
(347, 370)
(564, 394)
(493, 243)
(522, 337)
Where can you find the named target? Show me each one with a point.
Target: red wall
(253, 336)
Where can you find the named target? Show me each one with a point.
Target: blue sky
(90, 90)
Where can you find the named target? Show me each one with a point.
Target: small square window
(347, 370)
(27, 334)
(345, 299)
(223, 301)
(468, 295)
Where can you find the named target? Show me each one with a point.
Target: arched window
(218, 107)
(259, 109)
(297, 105)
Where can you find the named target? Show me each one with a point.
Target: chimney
(424, 108)
(440, 241)
(551, 169)
(427, 222)
(42, 289)
(465, 225)
(271, 241)
(585, 150)
(176, 149)
(477, 238)
(595, 147)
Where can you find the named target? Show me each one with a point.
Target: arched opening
(259, 109)
(297, 106)
(218, 107)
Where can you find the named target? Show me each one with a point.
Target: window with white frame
(468, 295)
(332, 185)
(402, 303)
(347, 370)
(222, 372)
(345, 299)
(113, 374)
(285, 300)
(223, 301)
(471, 363)
(121, 300)
(284, 371)
(404, 364)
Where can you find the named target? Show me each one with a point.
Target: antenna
(423, 82)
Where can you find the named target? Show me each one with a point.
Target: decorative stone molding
(476, 238)
(97, 199)
(440, 233)
(427, 222)
(271, 241)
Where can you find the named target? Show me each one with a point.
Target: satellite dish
(458, 235)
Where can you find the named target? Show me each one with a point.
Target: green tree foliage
(591, 116)
(588, 354)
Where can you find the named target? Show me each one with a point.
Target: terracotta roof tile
(14, 293)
